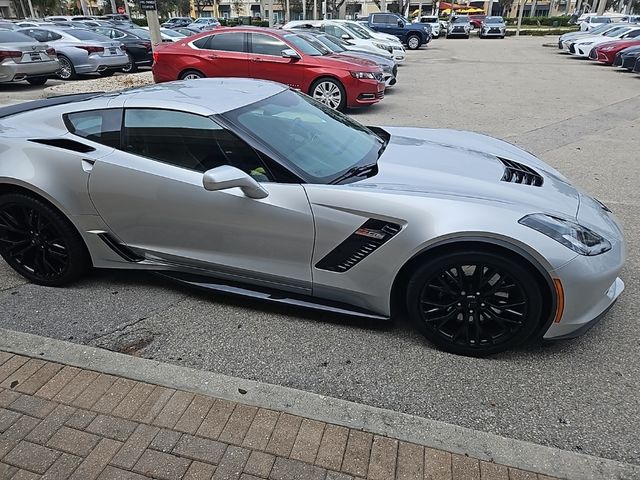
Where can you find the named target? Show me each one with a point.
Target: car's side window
(267, 45)
(101, 126)
(189, 141)
(227, 42)
(378, 18)
(53, 36)
(333, 30)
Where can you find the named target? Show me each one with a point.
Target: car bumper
(399, 55)
(99, 63)
(628, 62)
(604, 57)
(364, 92)
(636, 68)
(15, 72)
(458, 34)
(492, 34)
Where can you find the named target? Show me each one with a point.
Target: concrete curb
(410, 428)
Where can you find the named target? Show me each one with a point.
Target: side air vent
(359, 245)
(122, 250)
(515, 172)
(64, 143)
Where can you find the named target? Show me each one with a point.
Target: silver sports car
(247, 187)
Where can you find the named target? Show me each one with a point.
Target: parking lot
(581, 395)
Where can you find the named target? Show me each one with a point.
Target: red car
(278, 55)
(606, 52)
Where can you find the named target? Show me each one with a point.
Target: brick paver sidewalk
(63, 422)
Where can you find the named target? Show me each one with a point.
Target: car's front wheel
(191, 75)
(130, 67)
(329, 92)
(67, 70)
(39, 243)
(474, 302)
(413, 42)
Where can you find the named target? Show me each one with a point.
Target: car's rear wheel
(130, 67)
(191, 75)
(67, 70)
(39, 243)
(329, 92)
(474, 303)
(37, 80)
(413, 42)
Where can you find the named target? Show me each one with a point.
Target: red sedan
(606, 52)
(277, 55)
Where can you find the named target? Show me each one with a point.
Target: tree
(199, 5)
(237, 6)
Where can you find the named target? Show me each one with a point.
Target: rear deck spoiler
(47, 102)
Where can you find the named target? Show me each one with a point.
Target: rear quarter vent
(65, 144)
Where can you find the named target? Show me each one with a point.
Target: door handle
(212, 57)
(256, 60)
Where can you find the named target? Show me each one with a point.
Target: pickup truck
(413, 35)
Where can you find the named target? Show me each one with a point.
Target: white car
(398, 53)
(583, 46)
(434, 22)
(568, 38)
(592, 21)
(340, 30)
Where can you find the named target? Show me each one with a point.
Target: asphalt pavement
(580, 395)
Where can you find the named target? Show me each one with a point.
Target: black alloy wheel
(39, 243)
(475, 303)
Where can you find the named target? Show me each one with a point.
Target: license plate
(381, 87)
(112, 50)
(35, 57)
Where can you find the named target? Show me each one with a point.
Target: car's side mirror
(290, 53)
(225, 177)
(346, 36)
(400, 23)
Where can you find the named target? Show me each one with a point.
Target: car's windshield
(600, 29)
(460, 20)
(305, 46)
(600, 19)
(319, 144)
(315, 43)
(493, 20)
(328, 43)
(363, 31)
(616, 31)
(429, 20)
(171, 33)
(7, 36)
(141, 33)
(358, 34)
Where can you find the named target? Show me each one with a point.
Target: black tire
(39, 243)
(130, 67)
(476, 322)
(191, 75)
(67, 70)
(413, 42)
(325, 90)
(106, 73)
(37, 80)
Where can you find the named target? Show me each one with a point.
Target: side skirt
(269, 295)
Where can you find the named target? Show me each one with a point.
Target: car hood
(436, 162)
(631, 50)
(345, 61)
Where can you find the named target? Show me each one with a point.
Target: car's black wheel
(39, 243)
(330, 92)
(130, 67)
(67, 70)
(37, 80)
(474, 303)
(413, 42)
(107, 73)
(191, 75)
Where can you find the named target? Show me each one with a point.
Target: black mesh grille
(515, 172)
(379, 77)
(359, 245)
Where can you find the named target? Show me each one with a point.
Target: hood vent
(515, 172)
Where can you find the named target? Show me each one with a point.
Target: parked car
(594, 21)
(278, 55)
(186, 31)
(137, 48)
(251, 187)
(627, 58)
(636, 68)
(566, 39)
(363, 31)
(205, 23)
(8, 26)
(433, 22)
(143, 33)
(175, 22)
(340, 30)
(459, 26)
(96, 23)
(413, 35)
(606, 52)
(81, 51)
(583, 46)
(338, 46)
(116, 17)
(492, 27)
(476, 20)
(22, 58)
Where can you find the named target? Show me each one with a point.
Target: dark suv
(413, 35)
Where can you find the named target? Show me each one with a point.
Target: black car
(176, 22)
(187, 31)
(137, 47)
(627, 58)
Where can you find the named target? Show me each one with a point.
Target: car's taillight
(51, 52)
(9, 54)
(91, 49)
(155, 57)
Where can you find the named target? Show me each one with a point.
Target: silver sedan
(21, 58)
(248, 187)
(81, 51)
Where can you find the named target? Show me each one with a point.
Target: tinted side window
(378, 18)
(102, 126)
(188, 141)
(202, 42)
(228, 42)
(333, 30)
(267, 45)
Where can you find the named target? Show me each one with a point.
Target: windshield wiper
(356, 171)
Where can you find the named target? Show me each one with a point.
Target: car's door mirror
(400, 23)
(225, 177)
(290, 53)
(346, 36)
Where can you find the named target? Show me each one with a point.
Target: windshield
(600, 29)
(318, 143)
(7, 36)
(330, 43)
(600, 19)
(305, 46)
(429, 20)
(141, 33)
(354, 31)
(614, 32)
(171, 33)
(493, 20)
(460, 20)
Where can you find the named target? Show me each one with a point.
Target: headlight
(426, 29)
(570, 234)
(380, 45)
(361, 75)
(586, 43)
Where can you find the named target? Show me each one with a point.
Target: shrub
(141, 22)
(562, 21)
